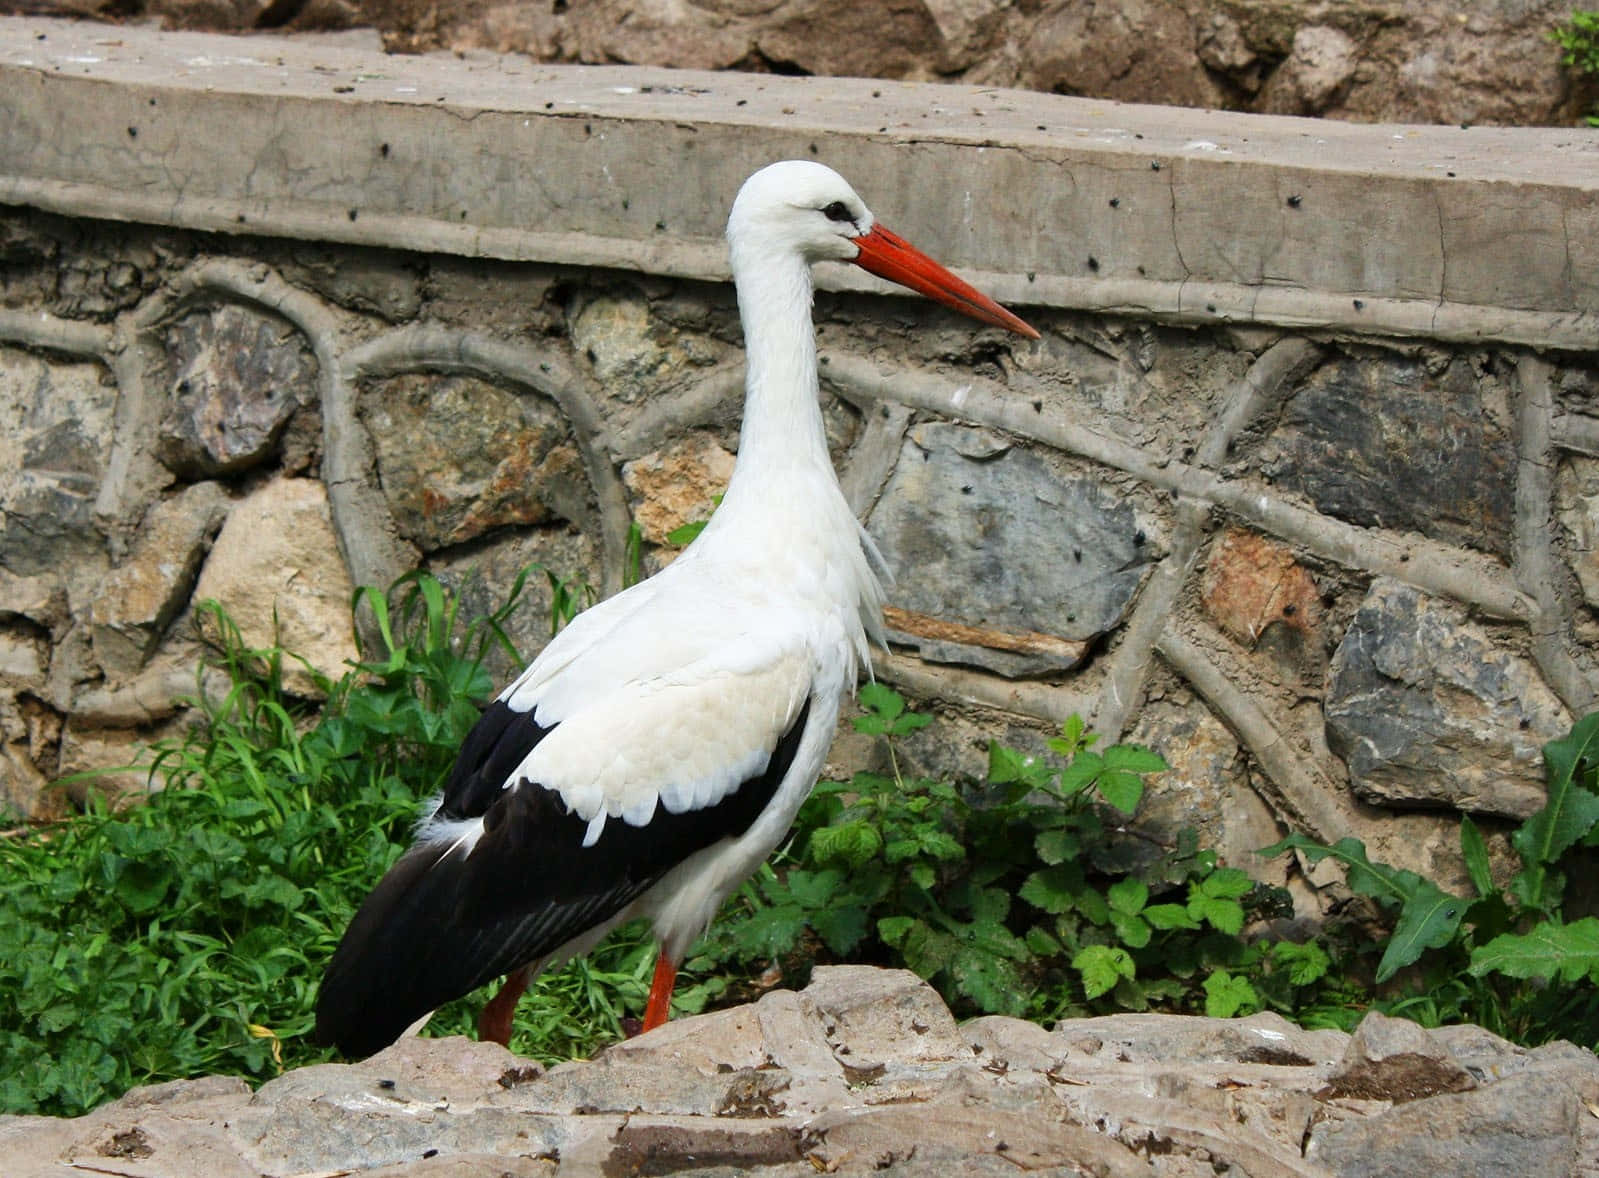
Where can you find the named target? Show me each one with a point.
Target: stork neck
(782, 427)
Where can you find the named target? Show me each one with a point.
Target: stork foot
(494, 1020)
(659, 1006)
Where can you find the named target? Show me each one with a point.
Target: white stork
(660, 746)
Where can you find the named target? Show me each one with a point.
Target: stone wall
(1301, 485)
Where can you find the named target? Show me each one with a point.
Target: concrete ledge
(1455, 234)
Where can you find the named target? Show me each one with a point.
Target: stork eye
(837, 212)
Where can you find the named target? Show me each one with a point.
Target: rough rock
(986, 534)
(1523, 1125)
(459, 457)
(1420, 444)
(140, 597)
(633, 355)
(1394, 1059)
(864, 1070)
(30, 739)
(277, 570)
(1424, 61)
(1252, 583)
(1207, 786)
(118, 756)
(1425, 709)
(678, 484)
(1577, 502)
(237, 376)
(55, 438)
(1318, 69)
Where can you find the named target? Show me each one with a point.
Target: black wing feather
(441, 923)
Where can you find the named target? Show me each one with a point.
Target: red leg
(494, 1021)
(660, 1003)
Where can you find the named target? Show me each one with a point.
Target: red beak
(890, 256)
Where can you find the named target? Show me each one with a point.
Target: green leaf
(1306, 963)
(1101, 967)
(1132, 930)
(1228, 882)
(1169, 916)
(1121, 789)
(892, 929)
(841, 928)
(1550, 951)
(881, 700)
(1429, 919)
(1057, 845)
(1081, 773)
(686, 534)
(1225, 916)
(1227, 996)
(1053, 888)
(1127, 896)
(1134, 758)
(849, 843)
(1475, 851)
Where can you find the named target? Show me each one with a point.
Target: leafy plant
(1014, 898)
(1506, 957)
(1579, 38)
(186, 935)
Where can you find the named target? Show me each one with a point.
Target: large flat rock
(865, 1070)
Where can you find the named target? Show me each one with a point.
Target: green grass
(187, 935)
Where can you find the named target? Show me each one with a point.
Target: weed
(1012, 898)
(1506, 957)
(1579, 40)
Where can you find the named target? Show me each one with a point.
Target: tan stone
(139, 598)
(677, 484)
(277, 571)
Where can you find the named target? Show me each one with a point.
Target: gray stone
(1425, 708)
(1394, 1059)
(139, 598)
(236, 376)
(1524, 1125)
(987, 534)
(55, 438)
(459, 457)
(863, 1071)
(1390, 441)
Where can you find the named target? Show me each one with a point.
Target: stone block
(277, 571)
(1409, 443)
(1426, 708)
(677, 484)
(55, 441)
(1394, 1059)
(237, 376)
(1523, 1125)
(989, 535)
(459, 457)
(139, 598)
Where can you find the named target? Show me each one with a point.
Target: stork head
(805, 209)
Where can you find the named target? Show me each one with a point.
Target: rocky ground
(1430, 61)
(867, 1070)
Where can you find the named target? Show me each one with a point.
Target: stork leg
(494, 1020)
(660, 1003)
